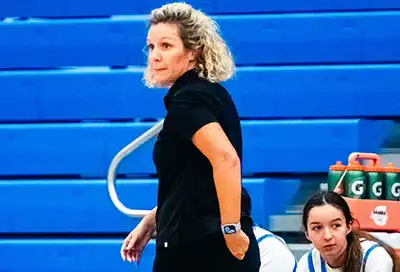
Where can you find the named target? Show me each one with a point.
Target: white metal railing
(149, 134)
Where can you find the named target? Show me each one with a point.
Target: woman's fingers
(131, 242)
(123, 248)
(133, 255)
(238, 244)
(133, 245)
(239, 252)
(240, 256)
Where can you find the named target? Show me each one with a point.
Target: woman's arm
(150, 218)
(211, 140)
(302, 265)
(379, 261)
(215, 145)
(276, 256)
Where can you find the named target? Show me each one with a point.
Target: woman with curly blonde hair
(198, 153)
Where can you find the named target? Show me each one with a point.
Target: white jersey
(375, 259)
(274, 253)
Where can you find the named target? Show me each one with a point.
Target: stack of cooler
(366, 182)
(373, 194)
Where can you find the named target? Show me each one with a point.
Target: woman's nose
(154, 55)
(328, 235)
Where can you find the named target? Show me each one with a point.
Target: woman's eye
(166, 45)
(150, 47)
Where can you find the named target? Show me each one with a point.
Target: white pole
(152, 132)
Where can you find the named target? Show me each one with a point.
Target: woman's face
(327, 230)
(168, 59)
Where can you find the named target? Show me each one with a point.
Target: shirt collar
(187, 77)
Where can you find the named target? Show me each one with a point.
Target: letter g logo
(357, 187)
(377, 188)
(396, 189)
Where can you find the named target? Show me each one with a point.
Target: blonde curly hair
(199, 33)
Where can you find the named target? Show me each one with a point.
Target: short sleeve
(302, 265)
(189, 110)
(275, 256)
(379, 261)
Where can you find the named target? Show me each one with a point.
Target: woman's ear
(192, 55)
(307, 236)
(349, 228)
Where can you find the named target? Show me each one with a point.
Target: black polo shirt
(188, 206)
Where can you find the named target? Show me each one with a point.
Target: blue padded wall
(274, 39)
(66, 255)
(78, 206)
(316, 80)
(322, 91)
(92, 8)
(289, 146)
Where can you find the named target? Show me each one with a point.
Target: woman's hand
(238, 244)
(137, 239)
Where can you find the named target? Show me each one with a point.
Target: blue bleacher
(69, 254)
(321, 91)
(331, 38)
(79, 207)
(289, 146)
(93, 8)
(316, 80)
(84, 207)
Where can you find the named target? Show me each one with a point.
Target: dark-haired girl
(339, 246)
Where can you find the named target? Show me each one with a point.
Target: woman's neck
(336, 261)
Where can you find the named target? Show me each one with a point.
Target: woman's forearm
(227, 178)
(150, 219)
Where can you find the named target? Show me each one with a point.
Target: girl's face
(327, 230)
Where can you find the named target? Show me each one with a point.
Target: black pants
(207, 255)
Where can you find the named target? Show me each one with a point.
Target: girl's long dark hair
(354, 254)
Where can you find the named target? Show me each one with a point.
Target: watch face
(229, 229)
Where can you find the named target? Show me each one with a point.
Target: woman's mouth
(329, 247)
